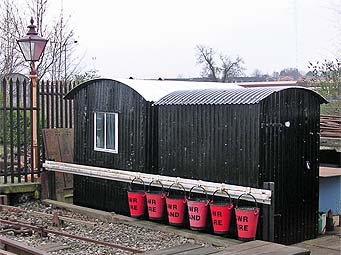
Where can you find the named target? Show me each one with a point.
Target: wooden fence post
(268, 214)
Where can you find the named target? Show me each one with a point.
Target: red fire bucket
(247, 219)
(176, 206)
(197, 210)
(155, 202)
(137, 200)
(221, 214)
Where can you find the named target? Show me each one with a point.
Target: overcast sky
(157, 38)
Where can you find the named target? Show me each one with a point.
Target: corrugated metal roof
(153, 90)
(223, 96)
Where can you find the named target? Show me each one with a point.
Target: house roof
(224, 96)
(268, 84)
(153, 90)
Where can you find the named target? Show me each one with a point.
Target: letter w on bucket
(247, 220)
(176, 204)
(197, 209)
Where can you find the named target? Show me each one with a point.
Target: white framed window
(106, 132)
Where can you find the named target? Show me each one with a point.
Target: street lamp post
(32, 47)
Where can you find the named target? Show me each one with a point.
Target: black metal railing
(16, 113)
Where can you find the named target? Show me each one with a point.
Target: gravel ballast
(118, 233)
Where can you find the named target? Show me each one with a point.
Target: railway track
(65, 232)
(44, 231)
(10, 246)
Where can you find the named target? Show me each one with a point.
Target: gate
(16, 113)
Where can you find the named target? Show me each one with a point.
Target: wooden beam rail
(262, 196)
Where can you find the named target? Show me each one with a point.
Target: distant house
(269, 84)
(309, 76)
(248, 82)
(262, 78)
(330, 164)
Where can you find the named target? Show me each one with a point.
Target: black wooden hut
(123, 106)
(248, 137)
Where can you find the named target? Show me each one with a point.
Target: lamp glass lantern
(32, 45)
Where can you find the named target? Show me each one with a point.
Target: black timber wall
(249, 144)
(135, 148)
(284, 155)
(216, 143)
(244, 144)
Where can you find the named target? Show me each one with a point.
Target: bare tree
(334, 15)
(230, 67)
(327, 81)
(205, 56)
(218, 70)
(11, 26)
(58, 61)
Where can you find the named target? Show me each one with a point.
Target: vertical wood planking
(109, 96)
(269, 214)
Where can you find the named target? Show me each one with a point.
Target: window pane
(111, 131)
(100, 130)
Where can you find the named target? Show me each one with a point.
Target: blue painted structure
(330, 194)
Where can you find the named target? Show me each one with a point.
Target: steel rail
(17, 231)
(56, 232)
(15, 247)
(64, 218)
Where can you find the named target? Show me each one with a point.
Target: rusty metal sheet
(65, 141)
(58, 143)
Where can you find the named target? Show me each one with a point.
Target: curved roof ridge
(153, 90)
(225, 96)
